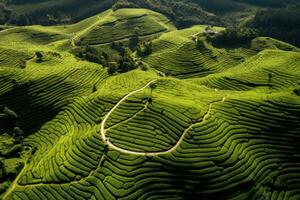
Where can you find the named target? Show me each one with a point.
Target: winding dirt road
(112, 146)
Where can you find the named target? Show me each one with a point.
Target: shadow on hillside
(231, 46)
(31, 115)
(185, 183)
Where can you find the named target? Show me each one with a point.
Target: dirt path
(112, 146)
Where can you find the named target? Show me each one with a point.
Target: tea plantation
(202, 122)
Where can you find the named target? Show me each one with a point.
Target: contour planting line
(112, 146)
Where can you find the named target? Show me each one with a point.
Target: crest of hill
(123, 24)
(270, 69)
(180, 53)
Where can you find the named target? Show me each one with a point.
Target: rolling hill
(202, 122)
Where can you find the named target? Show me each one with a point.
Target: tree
(270, 77)
(10, 113)
(144, 48)
(8, 118)
(297, 92)
(4, 13)
(39, 56)
(23, 63)
(112, 67)
(18, 132)
(94, 88)
(152, 87)
(134, 41)
(2, 168)
(234, 36)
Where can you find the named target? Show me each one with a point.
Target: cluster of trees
(297, 92)
(234, 36)
(283, 24)
(39, 56)
(8, 122)
(219, 6)
(144, 48)
(4, 13)
(225, 6)
(8, 173)
(120, 62)
(125, 62)
(267, 3)
(48, 12)
(183, 13)
(8, 117)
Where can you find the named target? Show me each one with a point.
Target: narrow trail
(78, 35)
(15, 183)
(103, 130)
(112, 146)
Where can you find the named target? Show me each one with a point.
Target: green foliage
(282, 24)
(267, 3)
(134, 41)
(4, 13)
(48, 12)
(234, 36)
(183, 13)
(2, 171)
(39, 56)
(124, 62)
(144, 48)
(113, 67)
(8, 117)
(123, 4)
(297, 92)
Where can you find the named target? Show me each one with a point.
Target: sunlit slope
(103, 28)
(13, 58)
(123, 24)
(274, 69)
(41, 93)
(178, 54)
(235, 145)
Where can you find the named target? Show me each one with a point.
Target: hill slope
(228, 130)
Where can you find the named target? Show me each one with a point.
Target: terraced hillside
(170, 53)
(123, 24)
(228, 130)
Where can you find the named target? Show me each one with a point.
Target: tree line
(283, 24)
(122, 60)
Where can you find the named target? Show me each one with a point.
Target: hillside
(170, 53)
(191, 120)
(183, 12)
(271, 18)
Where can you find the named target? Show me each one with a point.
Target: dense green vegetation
(124, 105)
(282, 24)
(233, 36)
(54, 12)
(4, 13)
